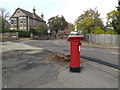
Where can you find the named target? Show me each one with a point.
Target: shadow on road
(101, 62)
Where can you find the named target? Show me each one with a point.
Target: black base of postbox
(75, 69)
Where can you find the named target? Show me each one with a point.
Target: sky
(70, 9)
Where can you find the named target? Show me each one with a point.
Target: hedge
(20, 33)
(24, 34)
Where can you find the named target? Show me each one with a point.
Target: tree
(97, 30)
(86, 25)
(3, 16)
(57, 23)
(39, 30)
(98, 22)
(113, 19)
(70, 27)
(111, 31)
(89, 13)
(88, 20)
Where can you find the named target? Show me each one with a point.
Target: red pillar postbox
(75, 46)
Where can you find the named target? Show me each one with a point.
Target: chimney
(34, 12)
(42, 16)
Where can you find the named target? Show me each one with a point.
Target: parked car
(72, 33)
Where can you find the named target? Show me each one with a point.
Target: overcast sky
(70, 9)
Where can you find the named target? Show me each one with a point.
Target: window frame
(21, 20)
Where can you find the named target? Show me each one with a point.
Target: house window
(24, 20)
(24, 28)
(21, 28)
(21, 20)
(15, 22)
(12, 22)
(13, 28)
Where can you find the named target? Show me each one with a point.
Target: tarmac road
(25, 65)
(108, 55)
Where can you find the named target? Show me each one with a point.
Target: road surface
(108, 55)
(27, 64)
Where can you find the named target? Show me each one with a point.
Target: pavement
(91, 76)
(25, 66)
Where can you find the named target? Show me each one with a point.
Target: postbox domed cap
(76, 37)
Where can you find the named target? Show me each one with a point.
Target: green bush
(5, 30)
(111, 32)
(97, 30)
(38, 30)
(24, 34)
(20, 33)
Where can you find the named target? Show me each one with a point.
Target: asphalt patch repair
(27, 68)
